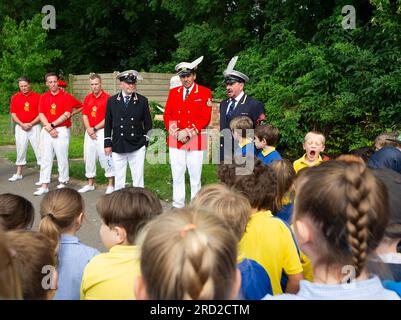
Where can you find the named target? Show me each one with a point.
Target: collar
(124, 249)
(240, 257)
(67, 238)
(60, 90)
(121, 95)
(303, 160)
(190, 88)
(26, 95)
(125, 95)
(265, 153)
(244, 143)
(239, 97)
(262, 212)
(101, 93)
(354, 289)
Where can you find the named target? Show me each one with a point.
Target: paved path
(89, 232)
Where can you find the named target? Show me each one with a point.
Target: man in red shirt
(93, 114)
(24, 112)
(55, 108)
(188, 111)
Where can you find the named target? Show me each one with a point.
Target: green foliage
(341, 82)
(22, 52)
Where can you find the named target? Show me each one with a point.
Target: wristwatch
(94, 129)
(52, 125)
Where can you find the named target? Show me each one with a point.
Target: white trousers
(180, 160)
(59, 147)
(136, 161)
(22, 138)
(93, 150)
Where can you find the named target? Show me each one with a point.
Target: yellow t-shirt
(111, 275)
(269, 242)
(301, 163)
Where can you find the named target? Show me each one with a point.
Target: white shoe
(109, 190)
(86, 188)
(61, 185)
(41, 191)
(15, 177)
(38, 183)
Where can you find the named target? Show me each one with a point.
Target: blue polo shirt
(255, 282)
(269, 156)
(73, 256)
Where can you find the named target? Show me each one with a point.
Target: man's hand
(91, 133)
(108, 151)
(183, 136)
(53, 133)
(48, 128)
(26, 126)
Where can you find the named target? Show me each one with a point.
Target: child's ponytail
(58, 211)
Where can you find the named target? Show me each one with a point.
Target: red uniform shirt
(53, 106)
(76, 104)
(25, 106)
(192, 115)
(95, 108)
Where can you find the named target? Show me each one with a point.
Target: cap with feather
(231, 76)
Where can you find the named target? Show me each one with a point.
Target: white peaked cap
(187, 67)
(129, 74)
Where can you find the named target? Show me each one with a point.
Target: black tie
(186, 94)
(126, 100)
(230, 109)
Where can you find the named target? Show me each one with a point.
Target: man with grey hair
(126, 128)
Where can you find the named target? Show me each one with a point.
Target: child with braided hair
(188, 254)
(340, 215)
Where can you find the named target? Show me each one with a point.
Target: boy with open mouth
(313, 144)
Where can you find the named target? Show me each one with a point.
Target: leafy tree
(22, 52)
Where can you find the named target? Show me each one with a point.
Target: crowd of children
(311, 229)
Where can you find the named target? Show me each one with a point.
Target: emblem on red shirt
(209, 102)
(26, 106)
(53, 109)
(93, 113)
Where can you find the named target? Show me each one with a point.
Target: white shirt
(125, 95)
(185, 90)
(237, 99)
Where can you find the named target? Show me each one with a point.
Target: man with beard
(126, 128)
(237, 104)
(187, 113)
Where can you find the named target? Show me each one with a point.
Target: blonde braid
(197, 268)
(357, 192)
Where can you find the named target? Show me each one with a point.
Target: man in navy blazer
(237, 104)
